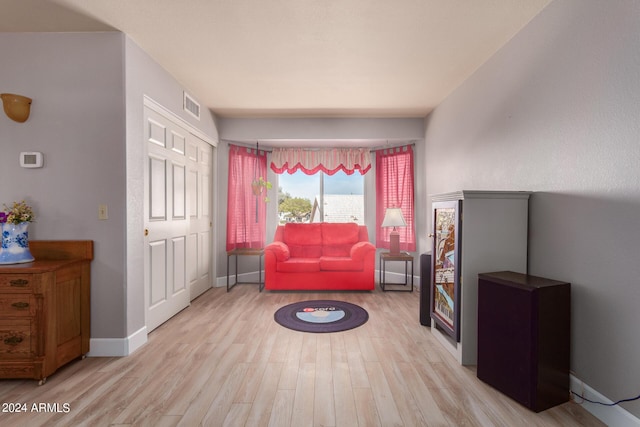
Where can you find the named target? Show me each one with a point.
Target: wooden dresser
(45, 309)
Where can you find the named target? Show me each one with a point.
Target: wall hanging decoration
(14, 224)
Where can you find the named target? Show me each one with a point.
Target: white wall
(556, 112)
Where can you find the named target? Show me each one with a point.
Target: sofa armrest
(360, 250)
(280, 250)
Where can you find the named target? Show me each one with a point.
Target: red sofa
(320, 256)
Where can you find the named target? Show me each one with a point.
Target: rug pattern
(321, 316)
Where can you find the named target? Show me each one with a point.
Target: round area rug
(321, 316)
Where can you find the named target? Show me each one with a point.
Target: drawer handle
(14, 340)
(19, 282)
(20, 305)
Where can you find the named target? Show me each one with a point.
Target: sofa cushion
(302, 234)
(305, 251)
(340, 264)
(338, 238)
(337, 250)
(299, 265)
(304, 240)
(340, 233)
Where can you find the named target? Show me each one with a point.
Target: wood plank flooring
(225, 362)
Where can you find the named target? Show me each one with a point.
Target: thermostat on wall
(32, 159)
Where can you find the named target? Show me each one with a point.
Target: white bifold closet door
(177, 217)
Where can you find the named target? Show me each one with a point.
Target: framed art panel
(445, 283)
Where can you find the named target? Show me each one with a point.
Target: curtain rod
(246, 144)
(371, 149)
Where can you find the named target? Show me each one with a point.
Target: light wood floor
(225, 362)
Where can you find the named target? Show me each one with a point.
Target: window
(321, 197)
(394, 189)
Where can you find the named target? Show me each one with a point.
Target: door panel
(157, 268)
(157, 133)
(199, 163)
(178, 143)
(157, 188)
(203, 263)
(166, 221)
(179, 192)
(179, 268)
(206, 204)
(192, 188)
(192, 261)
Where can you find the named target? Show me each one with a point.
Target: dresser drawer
(15, 339)
(16, 281)
(17, 305)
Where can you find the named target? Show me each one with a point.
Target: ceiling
(300, 58)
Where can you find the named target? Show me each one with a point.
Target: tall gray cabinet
(473, 232)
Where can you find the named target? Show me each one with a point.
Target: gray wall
(87, 118)
(556, 112)
(76, 82)
(321, 128)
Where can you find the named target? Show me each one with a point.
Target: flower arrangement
(18, 213)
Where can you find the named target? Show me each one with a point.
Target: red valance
(328, 161)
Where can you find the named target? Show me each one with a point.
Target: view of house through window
(321, 197)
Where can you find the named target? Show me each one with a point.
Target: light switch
(103, 213)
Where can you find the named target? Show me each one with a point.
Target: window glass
(321, 197)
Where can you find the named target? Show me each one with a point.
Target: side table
(259, 252)
(402, 256)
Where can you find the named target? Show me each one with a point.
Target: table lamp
(393, 218)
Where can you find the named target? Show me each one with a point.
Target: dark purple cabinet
(524, 337)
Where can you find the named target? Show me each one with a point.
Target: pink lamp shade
(393, 218)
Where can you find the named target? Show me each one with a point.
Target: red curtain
(246, 211)
(394, 189)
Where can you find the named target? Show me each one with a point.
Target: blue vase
(15, 244)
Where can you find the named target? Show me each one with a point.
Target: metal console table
(402, 256)
(259, 252)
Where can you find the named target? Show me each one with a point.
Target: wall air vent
(191, 106)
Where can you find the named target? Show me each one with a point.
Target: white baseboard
(117, 347)
(252, 276)
(392, 277)
(610, 415)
